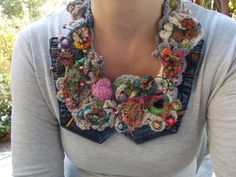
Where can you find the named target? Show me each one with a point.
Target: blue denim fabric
(144, 133)
(193, 60)
(93, 135)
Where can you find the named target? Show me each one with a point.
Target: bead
(155, 110)
(166, 51)
(120, 126)
(60, 83)
(80, 115)
(107, 117)
(170, 121)
(176, 105)
(81, 68)
(81, 83)
(165, 112)
(172, 4)
(122, 97)
(62, 95)
(156, 125)
(185, 43)
(124, 119)
(89, 116)
(145, 109)
(65, 43)
(61, 86)
(70, 103)
(86, 110)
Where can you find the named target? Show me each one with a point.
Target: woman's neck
(126, 20)
(125, 35)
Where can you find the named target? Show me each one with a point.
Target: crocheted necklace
(131, 105)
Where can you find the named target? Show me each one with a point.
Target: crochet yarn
(102, 89)
(131, 103)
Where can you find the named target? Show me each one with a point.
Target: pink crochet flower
(179, 54)
(102, 89)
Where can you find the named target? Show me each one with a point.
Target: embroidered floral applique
(142, 108)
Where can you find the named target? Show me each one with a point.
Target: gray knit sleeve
(222, 122)
(36, 144)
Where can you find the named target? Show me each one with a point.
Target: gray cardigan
(38, 142)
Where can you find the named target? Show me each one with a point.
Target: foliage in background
(227, 7)
(13, 18)
(5, 104)
(232, 8)
(17, 13)
(8, 29)
(22, 8)
(14, 15)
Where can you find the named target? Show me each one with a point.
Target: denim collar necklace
(139, 107)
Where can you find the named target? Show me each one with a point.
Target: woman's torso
(167, 156)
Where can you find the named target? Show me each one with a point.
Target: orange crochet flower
(133, 114)
(188, 23)
(172, 62)
(190, 35)
(81, 38)
(65, 58)
(177, 35)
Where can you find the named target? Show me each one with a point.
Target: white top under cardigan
(38, 142)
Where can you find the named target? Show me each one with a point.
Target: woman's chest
(116, 66)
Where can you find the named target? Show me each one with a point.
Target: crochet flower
(177, 35)
(190, 34)
(102, 89)
(188, 23)
(74, 80)
(71, 104)
(172, 62)
(74, 8)
(96, 117)
(146, 84)
(132, 114)
(81, 38)
(65, 58)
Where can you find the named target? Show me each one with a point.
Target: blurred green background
(17, 13)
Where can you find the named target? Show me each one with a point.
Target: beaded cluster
(129, 102)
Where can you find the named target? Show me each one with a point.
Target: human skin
(132, 34)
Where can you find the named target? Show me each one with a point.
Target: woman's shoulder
(219, 34)
(46, 27)
(211, 20)
(220, 45)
